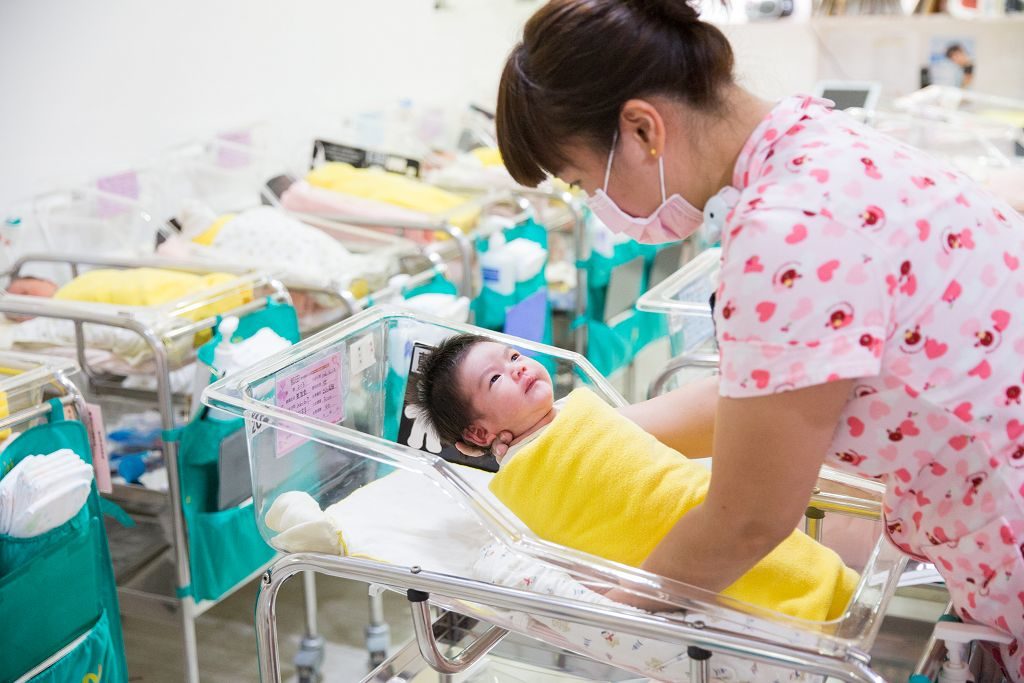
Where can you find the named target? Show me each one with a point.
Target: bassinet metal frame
(265, 289)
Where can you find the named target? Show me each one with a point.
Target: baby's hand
(499, 447)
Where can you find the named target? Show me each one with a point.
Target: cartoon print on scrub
(851, 255)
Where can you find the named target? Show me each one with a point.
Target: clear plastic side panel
(15, 395)
(356, 376)
(225, 173)
(95, 223)
(346, 384)
(685, 298)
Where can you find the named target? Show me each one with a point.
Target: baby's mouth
(529, 384)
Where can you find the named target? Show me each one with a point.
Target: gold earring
(654, 152)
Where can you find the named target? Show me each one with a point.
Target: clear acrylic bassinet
(350, 381)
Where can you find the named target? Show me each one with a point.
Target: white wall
(91, 88)
(888, 51)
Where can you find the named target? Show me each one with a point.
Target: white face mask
(676, 218)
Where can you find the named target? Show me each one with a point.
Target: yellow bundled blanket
(595, 481)
(152, 287)
(488, 156)
(394, 189)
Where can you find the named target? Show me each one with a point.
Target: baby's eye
(515, 357)
(494, 379)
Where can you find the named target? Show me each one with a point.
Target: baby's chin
(542, 392)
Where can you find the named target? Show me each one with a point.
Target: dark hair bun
(676, 13)
(581, 60)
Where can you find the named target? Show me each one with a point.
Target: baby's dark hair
(438, 393)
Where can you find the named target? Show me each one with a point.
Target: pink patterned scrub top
(850, 255)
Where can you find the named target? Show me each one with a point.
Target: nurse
(869, 314)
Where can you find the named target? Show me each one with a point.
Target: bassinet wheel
(377, 658)
(309, 660)
(378, 639)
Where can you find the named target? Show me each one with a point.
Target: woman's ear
(641, 123)
(477, 435)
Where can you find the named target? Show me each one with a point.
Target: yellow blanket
(595, 481)
(488, 156)
(207, 236)
(151, 287)
(391, 188)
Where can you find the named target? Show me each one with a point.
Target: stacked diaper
(42, 492)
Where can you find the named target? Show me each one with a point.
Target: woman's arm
(768, 451)
(683, 419)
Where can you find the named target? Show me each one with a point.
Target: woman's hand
(498, 447)
(624, 597)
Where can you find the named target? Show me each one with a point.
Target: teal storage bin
(59, 585)
(612, 347)
(438, 285)
(490, 307)
(394, 384)
(225, 546)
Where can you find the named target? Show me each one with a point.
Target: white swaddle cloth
(42, 492)
(267, 238)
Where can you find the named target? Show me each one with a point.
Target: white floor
(227, 638)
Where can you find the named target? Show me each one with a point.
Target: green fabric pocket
(225, 547)
(93, 660)
(49, 592)
(65, 574)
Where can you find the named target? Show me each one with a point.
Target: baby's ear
(477, 435)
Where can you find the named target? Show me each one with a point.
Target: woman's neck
(725, 134)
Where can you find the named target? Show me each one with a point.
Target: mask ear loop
(611, 156)
(661, 173)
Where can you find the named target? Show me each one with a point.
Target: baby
(30, 286)
(473, 389)
(581, 474)
(142, 286)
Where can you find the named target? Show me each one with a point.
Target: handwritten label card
(98, 439)
(314, 391)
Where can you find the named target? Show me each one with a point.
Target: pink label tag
(230, 156)
(123, 185)
(98, 437)
(314, 391)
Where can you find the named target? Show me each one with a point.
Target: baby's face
(507, 390)
(30, 286)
